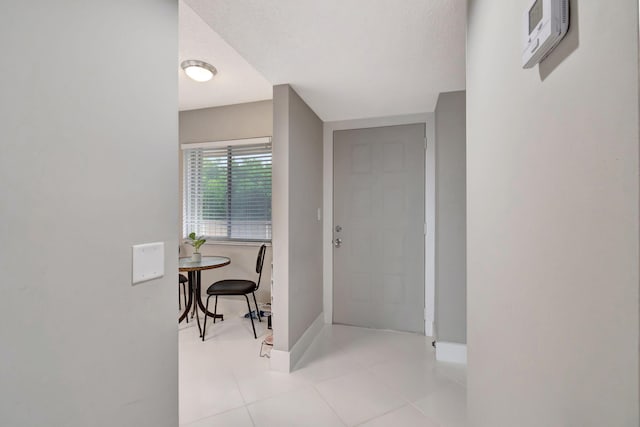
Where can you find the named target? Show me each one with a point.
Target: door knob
(337, 242)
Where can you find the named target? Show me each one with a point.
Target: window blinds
(227, 190)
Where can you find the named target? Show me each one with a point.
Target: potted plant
(196, 242)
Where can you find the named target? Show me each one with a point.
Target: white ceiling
(236, 81)
(349, 59)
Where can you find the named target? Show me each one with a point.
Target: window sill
(234, 243)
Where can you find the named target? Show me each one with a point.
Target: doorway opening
(370, 300)
(225, 170)
(379, 223)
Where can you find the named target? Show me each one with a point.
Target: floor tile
(358, 397)
(406, 416)
(206, 385)
(322, 362)
(349, 375)
(235, 418)
(294, 409)
(380, 346)
(268, 384)
(413, 379)
(446, 405)
(342, 336)
(454, 371)
(201, 397)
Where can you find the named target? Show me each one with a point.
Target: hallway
(350, 376)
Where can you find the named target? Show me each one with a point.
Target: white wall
(297, 231)
(328, 129)
(88, 166)
(553, 233)
(249, 120)
(451, 210)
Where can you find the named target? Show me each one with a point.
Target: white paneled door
(378, 219)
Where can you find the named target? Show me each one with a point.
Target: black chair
(233, 287)
(182, 280)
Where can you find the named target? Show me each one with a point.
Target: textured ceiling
(236, 81)
(349, 58)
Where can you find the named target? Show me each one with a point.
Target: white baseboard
(300, 347)
(285, 361)
(451, 352)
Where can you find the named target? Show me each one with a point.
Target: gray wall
(552, 184)
(88, 168)
(451, 215)
(297, 196)
(249, 120)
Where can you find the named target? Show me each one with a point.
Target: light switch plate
(148, 262)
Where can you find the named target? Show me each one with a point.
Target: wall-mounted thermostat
(545, 23)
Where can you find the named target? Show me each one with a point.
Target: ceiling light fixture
(199, 71)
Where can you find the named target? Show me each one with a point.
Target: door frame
(428, 119)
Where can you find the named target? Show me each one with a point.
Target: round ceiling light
(199, 71)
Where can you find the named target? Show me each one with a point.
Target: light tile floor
(348, 377)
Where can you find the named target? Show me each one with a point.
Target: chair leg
(215, 309)
(184, 293)
(179, 299)
(198, 320)
(206, 311)
(251, 317)
(186, 318)
(257, 309)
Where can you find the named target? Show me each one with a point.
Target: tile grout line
(429, 417)
(408, 402)
(383, 414)
(235, 380)
(280, 393)
(328, 404)
(247, 404)
(210, 416)
(244, 399)
(453, 379)
(363, 369)
(246, 408)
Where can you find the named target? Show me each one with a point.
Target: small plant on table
(196, 242)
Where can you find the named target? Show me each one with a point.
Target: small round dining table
(193, 270)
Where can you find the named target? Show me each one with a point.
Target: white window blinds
(227, 190)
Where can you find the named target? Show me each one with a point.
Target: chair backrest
(260, 263)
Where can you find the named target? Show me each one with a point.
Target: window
(227, 190)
